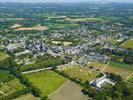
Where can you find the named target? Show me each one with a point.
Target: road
(37, 70)
(43, 69)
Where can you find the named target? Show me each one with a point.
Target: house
(100, 82)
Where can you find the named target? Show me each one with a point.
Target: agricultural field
(83, 19)
(37, 27)
(65, 43)
(11, 86)
(46, 81)
(3, 56)
(80, 72)
(121, 69)
(64, 93)
(128, 44)
(4, 75)
(27, 97)
(60, 26)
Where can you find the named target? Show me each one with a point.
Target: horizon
(66, 1)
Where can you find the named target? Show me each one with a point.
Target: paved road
(43, 69)
(37, 70)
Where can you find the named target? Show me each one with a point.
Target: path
(37, 70)
(105, 66)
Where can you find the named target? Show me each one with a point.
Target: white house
(99, 82)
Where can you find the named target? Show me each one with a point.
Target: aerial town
(56, 51)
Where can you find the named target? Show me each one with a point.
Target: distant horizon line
(69, 2)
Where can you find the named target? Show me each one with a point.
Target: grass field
(68, 91)
(11, 86)
(80, 73)
(128, 44)
(37, 27)
(4, 75)
(121, 69)
(27, 97)
(84, 19)
(3, 56)
(46, 81)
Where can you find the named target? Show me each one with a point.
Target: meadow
(128, 44)
(46, 81)
(121, 69)
(3, 56)
(11, 86)
(81, 73)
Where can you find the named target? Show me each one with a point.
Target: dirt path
(68, 91)
(104, 68)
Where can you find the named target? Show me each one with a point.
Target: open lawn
(68, 91)
(27, 97)
(121, 69)
(3, 56)
(80, 72)
(128, 44)
(46, 81)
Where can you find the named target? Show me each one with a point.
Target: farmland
(46, 81)
(64, 93)
(84, 19)
(4, 75)
(27, 97)
(80, 73)
(37, 27)
(121, 69)
(3, 56)
(11, 86)
(128, 44)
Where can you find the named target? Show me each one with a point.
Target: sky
(37, 1)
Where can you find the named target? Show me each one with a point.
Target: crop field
(83, 19)
(80, 72)
(60, 26)
(128, 44)
(4, 75)
(11, 86)
(15, 26)
(27, 97)
(121, 69)
(37, 27)
(68, 91)
(3, 56)
(65, 43)
(46, 81)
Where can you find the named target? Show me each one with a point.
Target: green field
(121, 69)
(128, 44)
(11, 86)
(4, 75)
(46, 81)
(80, 72)
(84, 19)
(3, 56)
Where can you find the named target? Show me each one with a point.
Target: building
(100, 82)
